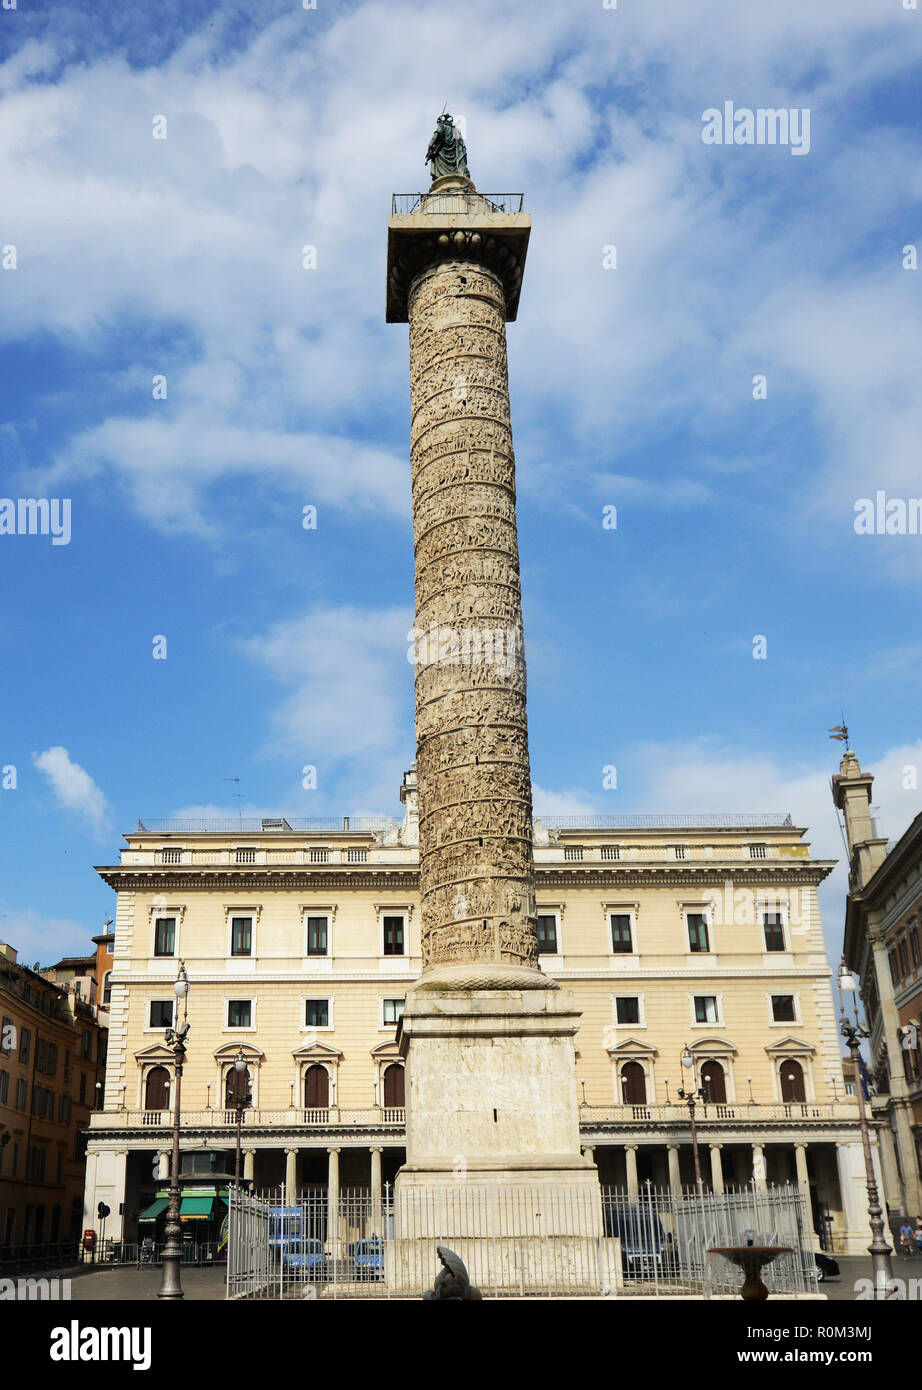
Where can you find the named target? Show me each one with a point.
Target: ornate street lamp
(170, 1285)
(854, 1033)
(690, 1096)
(238, 1096)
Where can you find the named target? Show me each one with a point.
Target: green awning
(196, 1208)
(154, 1210)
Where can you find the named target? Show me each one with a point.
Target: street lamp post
(854, 1033)
(170, 1285)
(238, 1094)
(690, 1096)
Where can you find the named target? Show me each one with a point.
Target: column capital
(673, 1148)
(334, 1150)
(715, 1146)
(800, 1143)
(292, 1151)
(633, 1147)
(372, 1148)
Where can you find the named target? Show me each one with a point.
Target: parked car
(369, 1258)
(307, 1256)
(643, 1240)
(826, 1266)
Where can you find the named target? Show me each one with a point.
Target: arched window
(230, 1082)
(633, 1084)
(394, 1092)
(714, 1082)
(792, 1081)
(157, 1089)
(316, 1088)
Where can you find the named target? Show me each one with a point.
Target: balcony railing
(252, 1119)
(715, 1113)
(454, 202)
(591, 1116)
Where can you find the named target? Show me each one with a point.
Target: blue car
(306, 1255)
(369, 1258)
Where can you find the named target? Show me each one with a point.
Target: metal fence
(456, 202)
(516, 1240)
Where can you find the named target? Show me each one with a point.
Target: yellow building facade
(695, 935)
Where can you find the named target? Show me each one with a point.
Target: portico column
(630, 1155)
(758, 1167)
(333, 1203)
(803, 1180)
(675, 1176)
(717, 1172)
(291, 1176)
(163, 1171)
(375, 1223)
(857, 1225)
(249, 1165)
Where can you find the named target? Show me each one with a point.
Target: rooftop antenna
(239, 795)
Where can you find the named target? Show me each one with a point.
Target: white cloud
(74, 787)
(349, 707)
(565, 803)
(44, 939)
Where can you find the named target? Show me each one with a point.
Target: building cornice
(157, 878)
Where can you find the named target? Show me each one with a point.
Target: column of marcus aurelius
(487, 1036)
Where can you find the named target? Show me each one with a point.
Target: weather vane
(840, 732)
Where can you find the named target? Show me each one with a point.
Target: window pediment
(790, 1047)
(632, 1047)
(713, 1047)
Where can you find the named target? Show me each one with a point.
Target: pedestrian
(908, 1238)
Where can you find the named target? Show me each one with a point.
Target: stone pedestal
(491, 1087)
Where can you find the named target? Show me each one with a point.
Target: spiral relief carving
(475, 837)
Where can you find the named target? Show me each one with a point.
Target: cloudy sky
(745, 373)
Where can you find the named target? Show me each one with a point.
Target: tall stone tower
(488, 1037)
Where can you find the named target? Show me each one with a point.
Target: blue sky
(631, 387)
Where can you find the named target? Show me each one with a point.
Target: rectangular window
(547, 935)
(165, 936)
(241, 936)
(317, 1013)
(706, 1008)
(773, 926)
(621, 943)
(611, 851)
(161, 1013)
(573, 852)
(86, 1045)
(392, 1010)
(319, 856)
(7, 1035)
(678, 851)
(21, 1094)
(36, 1165)
(756, 851)
(904, 957)
(4, 1087)
(627, 1009)
(697, 932)
(393, 936)
(317, 936)
(914, 946)
(83, 1088)
(783, 1008)
(239, 1013)
(245, 856)
(67, 1066)
(25, 1045)
(110, 948)
(891, 961)
(356, 856)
